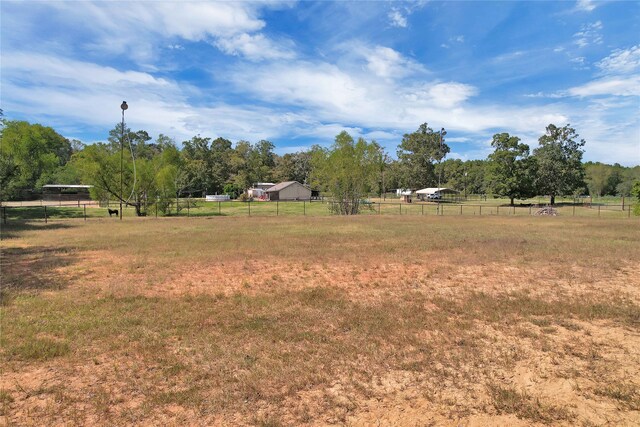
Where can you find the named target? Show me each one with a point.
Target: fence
(191, 208)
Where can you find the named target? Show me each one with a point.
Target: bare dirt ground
(357, 333)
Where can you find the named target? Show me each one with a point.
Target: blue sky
(298, 73)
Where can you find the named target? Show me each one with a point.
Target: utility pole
(123, 106)
(440, 156)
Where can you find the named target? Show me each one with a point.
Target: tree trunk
(553, 199)
(512, 200)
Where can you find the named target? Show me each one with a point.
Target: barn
(289, 190)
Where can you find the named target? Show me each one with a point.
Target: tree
(635, 192)
(510, 168)
(32, 154)
(99, 165)
(346, 170)
(417, 152)
(597, 176)
(559, 159)
(293, 167)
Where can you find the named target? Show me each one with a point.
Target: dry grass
(289, 321)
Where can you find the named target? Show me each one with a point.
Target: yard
(319, 320)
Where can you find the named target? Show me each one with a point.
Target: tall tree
(559, 159)
(510, 168)
(417, 152)
(346, 170)
(293, 167)
(100, 165)
(33, 153)
(597, 176)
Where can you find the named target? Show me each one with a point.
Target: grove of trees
(156, 172)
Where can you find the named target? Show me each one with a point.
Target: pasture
(320, 320)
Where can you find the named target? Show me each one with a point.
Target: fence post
(497, 210)
(85, 211)
(304, 208)
(188, 203)
(400, 208)
(79, 203)
(622, 203)
(277, 208)
(480, 209)
(249, 204)
(574, 209)
(45, 214)
(598, 211)
(219, 211)
(442, 210)
(460, 209)
(422, 206)
(379, 204)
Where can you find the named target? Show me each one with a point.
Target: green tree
(31, 154)
(417, 152)
(292, 167)
(99, 165)
(597, 177)
(346, 171)
(635, 192)
(510, 169)
(559, 160)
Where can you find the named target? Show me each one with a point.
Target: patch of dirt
(562, 364)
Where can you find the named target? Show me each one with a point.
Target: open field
(317, 320)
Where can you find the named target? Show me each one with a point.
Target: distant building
(433, 193)
(289, 190)
(403, 192)
(62, 192)
(263, 185)
(258, 190)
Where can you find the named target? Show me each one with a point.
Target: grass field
(317, 320)
(605, 208)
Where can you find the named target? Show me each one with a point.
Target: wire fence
(199, 208)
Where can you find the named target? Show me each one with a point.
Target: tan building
(289, 190)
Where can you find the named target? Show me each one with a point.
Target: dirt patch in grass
(330, 322)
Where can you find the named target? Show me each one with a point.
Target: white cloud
(397, 19)
(621, 61)
(617, 86)
(589, 34)
(388, 63)
(253, 47)
(444, 95)
(585, 5)
(136, 29)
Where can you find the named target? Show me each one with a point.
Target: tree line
(158, 171)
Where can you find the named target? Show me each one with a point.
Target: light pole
(442, 133)
(123, 106)
(465, 185)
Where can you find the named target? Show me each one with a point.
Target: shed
(289, 190)
(63, 192)
(427, 193)
(263, 185)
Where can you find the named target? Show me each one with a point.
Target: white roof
(434, 190)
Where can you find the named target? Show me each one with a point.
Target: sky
(298, 73)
